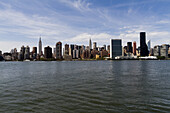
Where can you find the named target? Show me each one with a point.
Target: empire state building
(40, 47)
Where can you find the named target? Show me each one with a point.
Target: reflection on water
(89, 87)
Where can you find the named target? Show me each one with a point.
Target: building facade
(48, 52)
(115, 48)
(59, 50)
(134, 48)
(40, 47)
(143, 46)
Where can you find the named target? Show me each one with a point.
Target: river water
(85, 87)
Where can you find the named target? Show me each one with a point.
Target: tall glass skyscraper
(115, 48)
(143, 46)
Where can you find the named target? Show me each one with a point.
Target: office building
(115, 48)
(48, 52)
(90, 44)
(164, 50)
(149, 45)
(34, 52)
(59, 50)
(66, 49)
(27, 53)
(40, 47)
(129, 47)
(143, 46)
(94, 45)
(134, 48)
(156, 50)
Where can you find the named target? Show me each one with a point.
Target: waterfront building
(27, 53)
(143, 46)
(94, 45)
(156, 50)
(48, 52)
(86, 54)
(0, 53)
(34, 53)
(94, 53)
(115, 48)
(40, 47)
(71, 50)
(103, 53)
(149, 45)
(90, 44)
(134, 48)
(164, 50)
(169, 52)
(151, 53)
(66, 49)
(21, 54)
(108, 49)
(59, 50)
(75, 54)
(7, 56)
(14, 54)
(129, 47)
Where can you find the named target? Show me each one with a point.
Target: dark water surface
(85, 87)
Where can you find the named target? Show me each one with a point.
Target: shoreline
(88, 60)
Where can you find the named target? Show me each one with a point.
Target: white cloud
(80, 5)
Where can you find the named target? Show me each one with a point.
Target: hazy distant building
(108, 49)
(21, 53)
(151, 53)
(156, 50)
(66, 49)
(134, 48)
(129, 47)
(143, 46)
(59, 50)
(94, 45)
(90, 44)
(71, 50)
(115, 48)
(27, 53)
(169, 52)
(164, 50)
(86, 54)
(149, 45)
(0, 53)
(40, 46)
(75, 54)
(48, 52)
(34, 52)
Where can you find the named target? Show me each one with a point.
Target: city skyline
(76, 21)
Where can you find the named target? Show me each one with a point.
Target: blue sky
(22, 22)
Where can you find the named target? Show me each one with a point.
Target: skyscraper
(149, 45)
(66, 49)
(40, 47)
(129, 47)
(115, 48)
(27, 53)
(94, 45)
(48, 52)
(59, 50)
(134, 48)
(143, 46)
(90, 44)
(34, 52)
